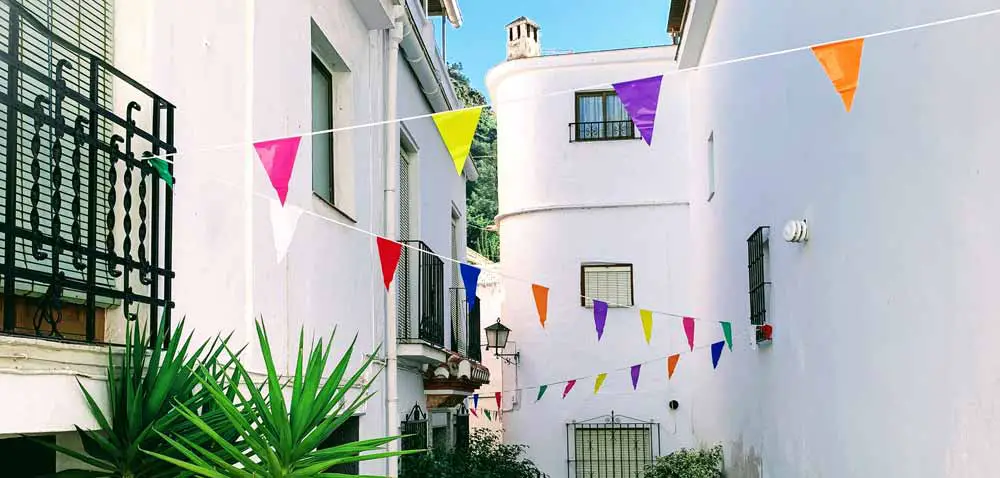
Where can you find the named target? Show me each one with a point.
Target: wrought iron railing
(84, 218)
(611, 445)
(602, 131)
(424, 274)
(464, 325)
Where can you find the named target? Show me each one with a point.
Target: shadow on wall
(744, 463)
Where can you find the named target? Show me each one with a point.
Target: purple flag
(470, 277)
(717, 352)
(600, 317)
(635, 375)
(640, 98)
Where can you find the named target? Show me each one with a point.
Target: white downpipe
(391, 220)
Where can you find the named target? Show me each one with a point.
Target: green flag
(163, 170)
(541, 391)
(727, 330)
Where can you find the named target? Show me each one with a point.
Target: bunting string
(706, 66)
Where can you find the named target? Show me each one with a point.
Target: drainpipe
(391, 222)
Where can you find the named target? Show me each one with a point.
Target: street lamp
(496, 339)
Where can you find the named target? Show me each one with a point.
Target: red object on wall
(766, 331)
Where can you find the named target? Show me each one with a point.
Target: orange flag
(842, 63)
(672, 364)
(541, 301)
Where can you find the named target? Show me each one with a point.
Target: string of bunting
(635, 371)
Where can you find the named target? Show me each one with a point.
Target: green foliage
(485, 457)
(688, 464)
(481, 195)
(282, 439)
(142, 392)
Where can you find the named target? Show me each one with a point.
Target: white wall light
(796, 231)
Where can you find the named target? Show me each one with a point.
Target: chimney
(522, 39)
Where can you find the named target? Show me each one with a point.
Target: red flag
(278, 159)
(388, 254)
(473, 412)
(541, 294)
(498, 400)
(569, 386)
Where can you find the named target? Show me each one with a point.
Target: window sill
(336, 209)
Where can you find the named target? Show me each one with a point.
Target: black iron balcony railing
(85, 222)
(464, 325)
(602, 131)
(423, 274)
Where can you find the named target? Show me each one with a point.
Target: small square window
(611, 283)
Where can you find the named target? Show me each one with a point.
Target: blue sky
(566, 25)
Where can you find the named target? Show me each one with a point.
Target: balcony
(85, 221)
(602, 131)
(465, 338)
(420, 304)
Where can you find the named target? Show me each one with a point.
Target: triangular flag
(489, 416)
(457, 129)
(541, 294)
(689, 331)
(475, 400)
(647, 323)
(497, 395)
(672, 365)
(727, 331)
(541, 391)
(842, 63)
(388, 255)
(717, 352)
(599, 381)
(473, 412)
(470, 277)
(278, 158)
(283, 223)
(640, 97)
(635, 375)
(569, 386)
(163, 170)
(600, 317)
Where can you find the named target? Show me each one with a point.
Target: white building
(220, 75)
(882, 362)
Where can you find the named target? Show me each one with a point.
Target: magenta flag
(569, 386)
(689, 331)
(640, 98)
(635, 375)
(600, 317)
(278, 158)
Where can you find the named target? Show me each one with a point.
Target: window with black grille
(414, 431)
(757, 264)
(347, 433)
(611, 283)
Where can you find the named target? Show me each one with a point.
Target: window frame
(327, 72)
(583, 283)
(604, 134)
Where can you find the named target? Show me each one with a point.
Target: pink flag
(569, 386)
(689, 330)
(278, 158)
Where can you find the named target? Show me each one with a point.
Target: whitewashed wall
(615, 201)
(883, 362)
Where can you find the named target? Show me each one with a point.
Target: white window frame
(587, 293)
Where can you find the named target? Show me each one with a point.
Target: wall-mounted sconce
(496, 339)
(796, 231)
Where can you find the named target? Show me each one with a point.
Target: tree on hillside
(481, 195)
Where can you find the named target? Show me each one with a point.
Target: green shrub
(485, 457)
(686, 463)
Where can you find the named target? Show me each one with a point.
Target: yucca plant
(142, 392)
(284, 438)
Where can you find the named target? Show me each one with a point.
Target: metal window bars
(602, 131)
(424, 274)
(757, 259)
(611, 446)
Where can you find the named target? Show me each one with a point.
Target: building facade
(206, 86)
(881, 362)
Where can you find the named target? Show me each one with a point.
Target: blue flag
(475, 401)
(470, 276)
(717, 352)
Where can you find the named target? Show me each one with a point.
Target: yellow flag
(599, 382)
(647, 323)
(457, 129)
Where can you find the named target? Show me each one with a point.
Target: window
(616, 449)
(414, 431)
(611, 283)
(601, 115)
(23, 457)
(347, 433)
(757, 264)
(440, 430)
(322, 119)
(711, 165)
